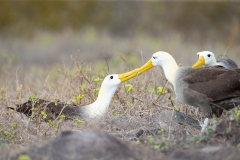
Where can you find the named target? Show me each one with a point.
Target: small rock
(211, 149)
(135, 133)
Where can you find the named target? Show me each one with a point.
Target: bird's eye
(198, 55)
(209, 55)
(154, 57)
(111, 77)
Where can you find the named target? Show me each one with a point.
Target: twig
(226, 50)
(123, 59)
(107, 64)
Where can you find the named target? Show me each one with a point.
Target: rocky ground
(170, 135)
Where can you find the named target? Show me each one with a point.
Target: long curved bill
(126, 76)
(199, 63)
(145, 67)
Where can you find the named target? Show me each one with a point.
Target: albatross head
(205, 58)
(163, 59)
(109, 86)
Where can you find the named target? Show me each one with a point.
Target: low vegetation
(137, 105)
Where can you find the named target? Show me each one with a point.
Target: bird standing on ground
(212, 89)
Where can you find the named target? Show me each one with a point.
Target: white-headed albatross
(207, 58)
(98, 108)
(109, 86)
(212, 89)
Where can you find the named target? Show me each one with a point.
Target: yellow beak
(199, 63)
(145, 67)
(126, 76)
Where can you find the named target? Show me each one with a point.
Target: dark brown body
(213, 89)
(52, 109)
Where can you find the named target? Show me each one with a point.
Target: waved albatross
(208, 59)
(212, 89)
(98, 108)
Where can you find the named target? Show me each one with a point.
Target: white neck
(213, 63)
(100, 106)
(170, 67)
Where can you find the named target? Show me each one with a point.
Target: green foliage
(161, 145)
(78, 98)
(96, 91)
(151, 89)
(128, 87)
(98, 79)
(24, 157)
(69, 102)
(117, 113)
(8, 134)
(14, 125)
(161, 90)
(56, 100)
(43, 114)
(83, 87)
(62, 116)
(235, 114)
(53, 123)
(210, 130)
(78, 121)
(203, 138)
(176, 108)
(33, 98)
(161, 131)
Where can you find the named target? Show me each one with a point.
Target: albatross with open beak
(209, 88)
(208, 59)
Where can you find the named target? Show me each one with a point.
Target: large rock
(85, 145)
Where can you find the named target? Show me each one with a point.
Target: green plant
(128, 87)
(62, 116)
(56, 100)
(78, 121)
(235, 114)
(161, 90)
(24, 157)
(117, 113)
(176, 108)
(78, 98)
(33, 98)
(43, 114)
(161, 145)
(98, 79)
(151, 89)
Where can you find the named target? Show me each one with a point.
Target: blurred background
(38, 38)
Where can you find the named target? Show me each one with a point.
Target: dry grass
(136, 108)
(129, 110)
